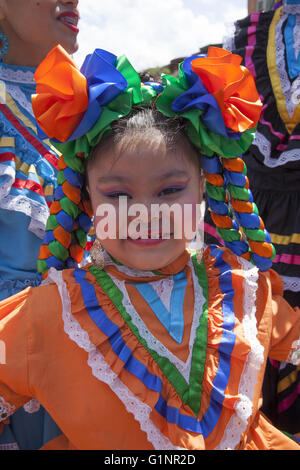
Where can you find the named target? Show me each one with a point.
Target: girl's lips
(146, 241)
(70, 20)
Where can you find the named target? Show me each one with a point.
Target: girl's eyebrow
(174, 173)
(118, 178)
(163, 176)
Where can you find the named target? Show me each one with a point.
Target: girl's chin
(152, 259)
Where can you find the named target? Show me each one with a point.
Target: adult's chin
(70, 46)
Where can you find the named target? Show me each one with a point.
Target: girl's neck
(128, 273)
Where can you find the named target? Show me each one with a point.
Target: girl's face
(148, 176)
(34, 27)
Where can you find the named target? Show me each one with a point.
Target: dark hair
(145, 123)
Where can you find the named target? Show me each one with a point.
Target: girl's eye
(117, 195)
(171, 190)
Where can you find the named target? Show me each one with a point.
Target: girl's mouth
(146, 241)
(152, 239)
(70, 20)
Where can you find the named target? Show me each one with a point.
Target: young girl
(28, 165)
(151, 346)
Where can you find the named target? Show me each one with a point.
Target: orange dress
(96, 350)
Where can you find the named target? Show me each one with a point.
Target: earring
(199, 255)
(5, 45)
(97, 254)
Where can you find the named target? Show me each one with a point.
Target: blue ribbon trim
(211, 417)
(293, 63)
(173, 321)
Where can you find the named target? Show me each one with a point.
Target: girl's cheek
(191, 223)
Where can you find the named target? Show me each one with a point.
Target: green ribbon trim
(216, 192)
(58, 250)
(274, 253)
(61, 178)
(81, 237)
(51, 223)
(242, 194)
(75, 163)
(200, 345)
(255, 234)
(69, 207)
(188, 393)
(42, 265)
(229, 234)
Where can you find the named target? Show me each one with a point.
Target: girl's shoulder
(241, 283)
(220, 260)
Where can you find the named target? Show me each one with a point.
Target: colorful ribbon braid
(214, 94)
(70, 218)
(78, 107)
(234, 213)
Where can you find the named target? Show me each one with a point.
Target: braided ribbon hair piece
(214, 94)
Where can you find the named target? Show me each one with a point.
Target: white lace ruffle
(125, 269)
(17, 76)
(102, 371)
(18, 95)
(291, 283)
(163, 288)
(32, 406)
(243, 408)
(6, 409)
(229, 37)
(291, 9)
(152, 342)
(264, 146)
(294, 356)
(12, 446)
(8, 174)
(37, 212)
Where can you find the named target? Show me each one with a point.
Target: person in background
(28, 167)
(269, 42)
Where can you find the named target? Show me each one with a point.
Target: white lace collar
(17, 74)
(108, 261)
(291, 9)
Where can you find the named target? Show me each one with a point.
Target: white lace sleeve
(6, 409)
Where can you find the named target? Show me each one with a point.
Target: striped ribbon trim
(29, 137)
(139, 370)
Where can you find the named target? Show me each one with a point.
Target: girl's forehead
(143, 157)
